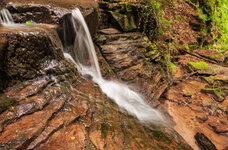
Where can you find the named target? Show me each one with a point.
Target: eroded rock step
(126, 55)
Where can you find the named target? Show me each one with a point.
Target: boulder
(124, 22)
(122, 16)
(36, 13)
(28, 52)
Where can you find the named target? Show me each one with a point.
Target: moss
(215, 91)
(199, 65)
(28, 23)
(154, 55)
(209, 80)
(6, 102)
(180, 18)
(201, 68)
(187, 48)
(172, 67)
(214, 14)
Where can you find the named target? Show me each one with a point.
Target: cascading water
(5, 17)
(86, 61)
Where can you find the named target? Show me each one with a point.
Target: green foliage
(172, 67)
(199, 65)
(201, 68)
(219, 17)
(187, 48)
(152, 18)
(179, 18)
(28, 23)
(215, 12)
(209, 79)
(216, 91)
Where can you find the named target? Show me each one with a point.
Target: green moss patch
(209, 80)
(28, 23)
(201, 68)
(220, 95)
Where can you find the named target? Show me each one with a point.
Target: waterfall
(85, 59)
(5, 17)
(83, 56)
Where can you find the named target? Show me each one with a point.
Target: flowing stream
(85, 59)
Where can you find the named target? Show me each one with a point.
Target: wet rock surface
(53, 12)
(126, 53)
(36, 13)
(69, 4)
(53, 107)
(64, 116)
(64, 111)
(28, 53)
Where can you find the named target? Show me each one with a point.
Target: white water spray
(86, 61)
(5, 17)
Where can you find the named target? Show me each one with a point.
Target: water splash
(85, 59)
(5, 17)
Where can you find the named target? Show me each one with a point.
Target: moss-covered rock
(220, 95)
(201, 68)
(209, 80)
(124, 22)
(121, 15)
(6, 102)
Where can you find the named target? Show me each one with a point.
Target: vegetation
(214, 13)
(201, 68)
(28, 23)
(215, 91)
